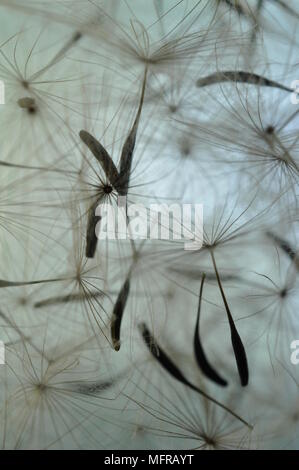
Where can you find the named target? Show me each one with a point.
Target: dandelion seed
(102, 157)
(118, 312)
(194, 273)
(68, 298)
(240, 77)
(286, 247)
(172, 369)
(200, 356)
(91, 236)
(94, 389)
(119, 180)
(128, 148)
(237, 344)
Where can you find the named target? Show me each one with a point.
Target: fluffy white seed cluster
(136, 342)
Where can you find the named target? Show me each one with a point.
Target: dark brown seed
(200, 356)
(239, 350)
(102, 156)
(91, 236)
(118, 313)
(126, 162)
(94, 388)
(174, 371)
(241, 77)
(128, 148)
(240, 353)
(61, 299)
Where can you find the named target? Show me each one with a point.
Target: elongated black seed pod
(62, 299)
(200, 356)
(91, 236)
(174, 371)
(118, 313)
(241, 77)
(239, 350)
(102, 156)
(128, 148)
